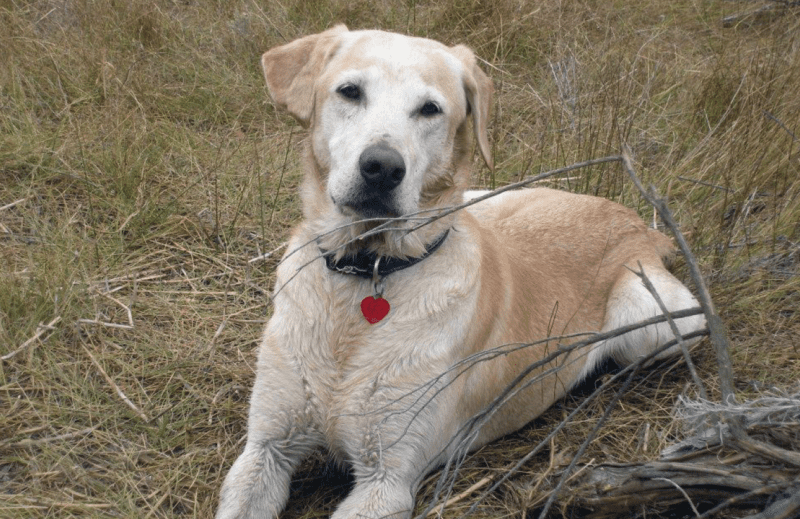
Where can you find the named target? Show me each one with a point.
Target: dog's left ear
(291, 70)
(479, 91)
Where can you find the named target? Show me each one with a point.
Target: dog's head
(389, 129)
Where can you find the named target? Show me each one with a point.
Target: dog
(389, 309)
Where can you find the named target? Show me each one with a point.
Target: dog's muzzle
(382, 169)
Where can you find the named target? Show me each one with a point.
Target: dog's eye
(430, 109)
(350, 91)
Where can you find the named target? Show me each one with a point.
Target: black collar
(362, 264)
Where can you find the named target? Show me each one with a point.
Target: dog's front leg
(279, 436)
(401, 435)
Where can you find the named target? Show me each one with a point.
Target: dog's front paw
(257, 486)
(373, 500)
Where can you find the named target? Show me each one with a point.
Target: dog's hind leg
(279, 437)
(630, 302)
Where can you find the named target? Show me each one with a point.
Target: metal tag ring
(377, 282)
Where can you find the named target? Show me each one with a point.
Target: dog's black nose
(382, 167)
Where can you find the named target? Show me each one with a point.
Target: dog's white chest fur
(345, 362)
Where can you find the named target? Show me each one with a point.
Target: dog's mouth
(373, 224)
(374, 209)
(368, 207)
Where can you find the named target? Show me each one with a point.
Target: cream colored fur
(383, 398)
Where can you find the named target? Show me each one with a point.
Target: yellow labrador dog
(367, 353)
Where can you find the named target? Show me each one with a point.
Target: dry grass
(142, 168)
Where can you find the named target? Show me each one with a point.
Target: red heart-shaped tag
(374, 309)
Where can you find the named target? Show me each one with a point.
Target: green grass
(142, 168)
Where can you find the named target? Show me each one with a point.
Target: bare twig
(743, 497)
(41, 441)
(280, 179)
(115, 386)
(757, 16)
(105, 324)
(522, 380)
(621, 487)
(455, 499)
(386, 223)
(147, 276)
(765, 449)
(674, 327)
(719, 336)
(610, 407)
(43, 504)
(517, 185)
(784, 509)
(217, 333)
(708, 184)
(12, 204)
(40, 330)
(682, 491)
(477, 421)
(626, 486)
(120, 303)
(780, 123)
(269, 254)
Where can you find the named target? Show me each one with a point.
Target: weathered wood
(701, 472)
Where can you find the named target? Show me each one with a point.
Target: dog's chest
(359, 377)
(358, 352)
(353, 368)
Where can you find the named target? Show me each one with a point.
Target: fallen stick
(40, 330)
(41, 441)
(12, 204)
(674, 327)
(719, 336)
(115, 386)
(105, 324)
(455, 499)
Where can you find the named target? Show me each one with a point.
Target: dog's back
(564, 262)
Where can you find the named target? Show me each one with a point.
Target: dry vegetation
(143, 172)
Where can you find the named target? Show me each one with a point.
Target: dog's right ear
(291, 70)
